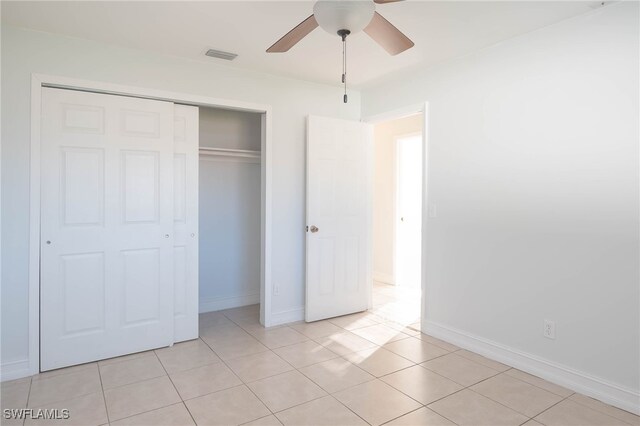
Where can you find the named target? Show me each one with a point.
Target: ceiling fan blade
(386, 35)
(294, 36)
(385, 1)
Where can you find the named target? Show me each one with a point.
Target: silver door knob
(48, 242)
(314, 229)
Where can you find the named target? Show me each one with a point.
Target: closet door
(106, 226)
(185, 215)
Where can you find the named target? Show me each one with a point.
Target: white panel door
(185, 216)
(106, 226)
(339, 187)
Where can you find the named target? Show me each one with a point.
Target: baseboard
(219, 303)
(618, 396)
(14, 370)
(384, 278)
(285, 317)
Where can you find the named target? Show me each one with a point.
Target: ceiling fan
(345, 17)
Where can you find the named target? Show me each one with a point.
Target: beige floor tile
(459, 369)
(606, 409)
(240, 348)
(482, 360)
(14, 394)
(415, 350)
(66, 370)
(134, 370)
(64, 387)
(380, 334)
(173, 415)
(376, 402)
(444, 345)
(203, 380)
(421, 384)
(264, 421)
(85, 410)
(250, 311)
(469, 408)
(124, 358)
(532, 423)
(140, 397)
(286, 390)
(345, 343)
(336, 374)
(354, 321)
(258, 366)
(315, 330)
(224, 336)
(421, 417)
(186, 355)
(406, 329)
(325, 411)
(378, 361)
(304, 354)
(517, 395)
(570, 413)
(213, 319)
(541, 383)
(279, 337)
(233, 406)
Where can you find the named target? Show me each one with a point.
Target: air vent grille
(221, 55)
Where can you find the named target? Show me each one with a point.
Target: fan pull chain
(344, 34)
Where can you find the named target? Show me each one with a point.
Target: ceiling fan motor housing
(336, 15)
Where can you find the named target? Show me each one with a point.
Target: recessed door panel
(141, 282)
(83, 279)
(140, 186)
(82, 186)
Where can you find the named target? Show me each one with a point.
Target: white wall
(229, 204)
(533, 166)
(25, 52)
(384, 201)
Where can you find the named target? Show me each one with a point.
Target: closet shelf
(221, 152)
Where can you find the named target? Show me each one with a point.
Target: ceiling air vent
(221, 55)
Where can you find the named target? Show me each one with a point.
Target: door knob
(314, 229)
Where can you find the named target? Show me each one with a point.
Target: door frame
(423, 109)
(38, 81)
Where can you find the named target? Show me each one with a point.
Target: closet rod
(222, 152)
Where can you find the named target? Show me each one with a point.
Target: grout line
(174, 387)
(245, 384)
(104, 398)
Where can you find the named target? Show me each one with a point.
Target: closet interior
(229, 208)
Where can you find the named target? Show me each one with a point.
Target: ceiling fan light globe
(335, 15)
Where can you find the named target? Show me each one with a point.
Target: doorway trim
(38, 81)
(402, 112)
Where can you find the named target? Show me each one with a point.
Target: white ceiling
(441, 30)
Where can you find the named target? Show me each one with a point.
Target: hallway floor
(367, 368)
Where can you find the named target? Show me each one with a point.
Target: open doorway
(397, 219)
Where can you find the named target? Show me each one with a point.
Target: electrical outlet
(276, 289)
(549, 329)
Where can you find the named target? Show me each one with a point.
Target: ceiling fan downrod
(343, 34)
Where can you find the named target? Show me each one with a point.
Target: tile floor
(369, 368)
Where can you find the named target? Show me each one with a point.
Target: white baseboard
(285, 317)
(610, 393)
(219, 303)
(14, 370)
(384, 278)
